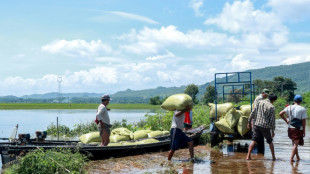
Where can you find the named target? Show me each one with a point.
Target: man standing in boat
(103, 119)
(177, 136)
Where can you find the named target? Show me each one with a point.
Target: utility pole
(59, 80)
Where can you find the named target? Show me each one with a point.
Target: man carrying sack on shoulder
(296, 124)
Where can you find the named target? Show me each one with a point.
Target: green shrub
(49, 162)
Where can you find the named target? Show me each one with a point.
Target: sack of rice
(129, 143)
(141, 134)
(122, 131)
(222, 109)
(154, 134)
(223, 126)
(177, 102)
(118, 138)
(243, 125)
(246, 109)
(90, 137)
(232, 117)
(147, 141)
(165, 132)
(114, 144)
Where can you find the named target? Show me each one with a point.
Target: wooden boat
(10, 150)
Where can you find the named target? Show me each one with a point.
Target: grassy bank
(15, 106)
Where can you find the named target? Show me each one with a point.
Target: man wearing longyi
(104, 120)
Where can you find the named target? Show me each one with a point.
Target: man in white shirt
(178, 137)
(296, 134)
(104, 120)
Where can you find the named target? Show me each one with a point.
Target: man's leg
(191, 148)
(106, 138)
(294, 150)
(272, 151)
(171, 152)
(250, 150)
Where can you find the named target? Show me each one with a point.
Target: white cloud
(158, 57)
(77, 48)
(152, 40)
(196, 5)
(133, 16)
(242, 17)
(291, 9)
(256, 28)
(239, 63)
(295, 59)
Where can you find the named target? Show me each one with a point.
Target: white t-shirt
(102, 114)
(297, 112)
(177, 122)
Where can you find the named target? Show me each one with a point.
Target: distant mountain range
(299, 73)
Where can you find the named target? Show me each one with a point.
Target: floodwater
(228, 159)
(30, 121)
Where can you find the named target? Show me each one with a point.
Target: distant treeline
(13, 99)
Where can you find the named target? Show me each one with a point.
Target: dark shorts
(178, 139)
(259, 132)
(185, 125)
(106, 129)
(296, 134)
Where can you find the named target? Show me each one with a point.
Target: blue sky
(107, 46)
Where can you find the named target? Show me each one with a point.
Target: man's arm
(187, 109)
(273, 120)
(283, 117)
(304, 127)
(252, 116)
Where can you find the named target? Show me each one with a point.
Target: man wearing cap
(264, 124)
(104, 120)
(295, 132)
(261, 97)
(260, 141)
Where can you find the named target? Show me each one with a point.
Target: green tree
(209, 95)
(284, 87)
(155, 100)
(192, 90)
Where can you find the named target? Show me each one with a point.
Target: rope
(56, 162)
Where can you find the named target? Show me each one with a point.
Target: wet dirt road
(207, 160)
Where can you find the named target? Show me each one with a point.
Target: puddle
(231, 158)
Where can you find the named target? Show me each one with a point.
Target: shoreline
(26, 106)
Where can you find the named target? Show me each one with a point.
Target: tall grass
(49, 162)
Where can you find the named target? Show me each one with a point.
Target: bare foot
(248, 158)
(292, 160)
(298, 159)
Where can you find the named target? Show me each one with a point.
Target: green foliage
(209, 95)
(156, 100)
(280, 85)
(49, 162)
(279, 105)
(192, 90)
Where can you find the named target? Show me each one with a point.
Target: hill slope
(299, 73)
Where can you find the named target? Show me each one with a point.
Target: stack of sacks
(229, 122)
(235, 119)
(177, 102)
(222, 109)
(120, 135)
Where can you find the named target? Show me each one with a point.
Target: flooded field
(228, 159)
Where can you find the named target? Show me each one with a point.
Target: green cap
(266, 91)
